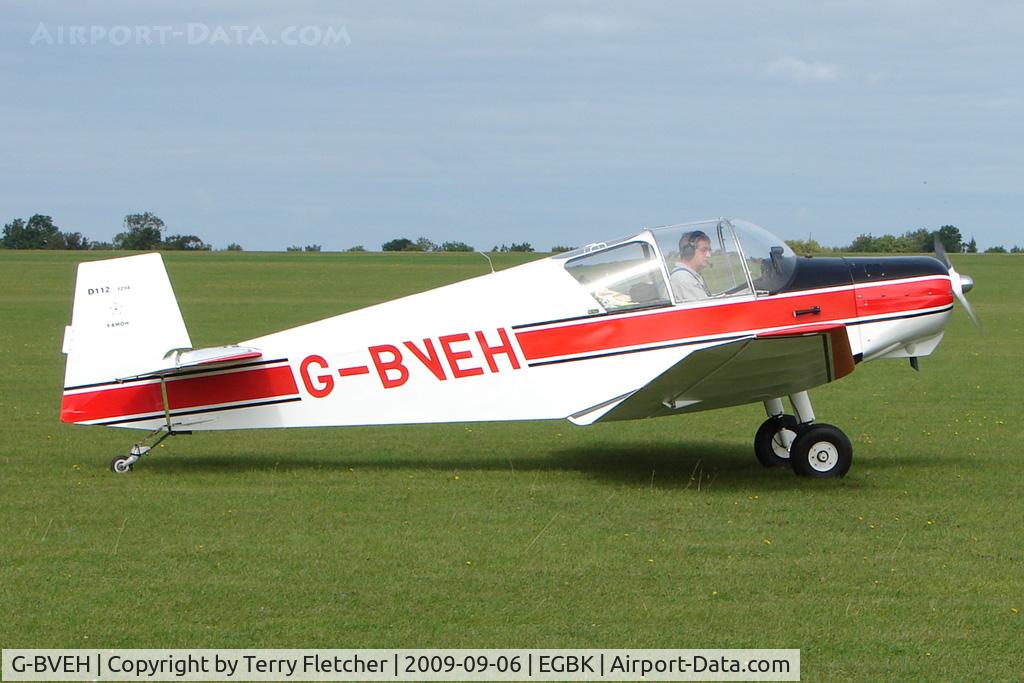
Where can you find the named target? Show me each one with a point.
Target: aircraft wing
(746, 370)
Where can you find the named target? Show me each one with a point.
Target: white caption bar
(401, 665)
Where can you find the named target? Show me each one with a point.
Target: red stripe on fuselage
(728, 318)
(187, 392)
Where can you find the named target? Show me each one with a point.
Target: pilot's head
(695, 249)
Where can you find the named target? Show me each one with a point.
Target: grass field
(662, 533)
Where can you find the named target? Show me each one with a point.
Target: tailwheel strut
(122, 464)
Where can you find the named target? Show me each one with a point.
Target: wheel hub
(823, 456)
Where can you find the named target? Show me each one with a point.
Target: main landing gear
(811, 449)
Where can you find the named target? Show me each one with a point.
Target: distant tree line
(141, 232)
(424, 244)
(917, 241)
(145, 232)
(515, 246)
(39, 232)
(420, 244)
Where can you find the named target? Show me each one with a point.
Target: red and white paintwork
(520, 344)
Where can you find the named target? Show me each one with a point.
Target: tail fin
(125, 321)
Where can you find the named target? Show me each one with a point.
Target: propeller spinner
(961, 283)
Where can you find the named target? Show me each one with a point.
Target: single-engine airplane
(670, 320)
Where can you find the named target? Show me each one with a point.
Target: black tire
(119, 465)
(820, 451)
(768, 440)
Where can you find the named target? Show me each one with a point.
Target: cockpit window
(703, 261)
(621, 277)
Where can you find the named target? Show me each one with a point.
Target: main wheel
(769, 446)
(821, 450)
(120, 465)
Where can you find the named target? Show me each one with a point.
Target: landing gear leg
(775, 435)
(802, 407)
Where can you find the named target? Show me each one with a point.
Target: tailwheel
(821, 450)
(773, 440)
(122, 464)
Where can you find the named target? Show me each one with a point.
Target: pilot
(694, 252)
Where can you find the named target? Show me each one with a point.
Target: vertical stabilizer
(125, 320)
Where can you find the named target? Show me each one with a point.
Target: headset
(688, 243)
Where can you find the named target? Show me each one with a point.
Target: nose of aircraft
(961, 283)
(966, 283)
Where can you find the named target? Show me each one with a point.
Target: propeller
(961, 283)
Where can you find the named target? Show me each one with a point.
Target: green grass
(656, 534)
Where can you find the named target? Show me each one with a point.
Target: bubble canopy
(682, 263)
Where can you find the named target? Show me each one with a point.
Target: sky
(270, 124)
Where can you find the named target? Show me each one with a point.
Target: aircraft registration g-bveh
(606, 332)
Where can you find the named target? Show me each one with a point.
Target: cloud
(800, 71)
(589, 24)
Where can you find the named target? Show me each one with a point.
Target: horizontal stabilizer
(182, 360)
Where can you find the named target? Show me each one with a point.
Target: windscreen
(768, 258)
